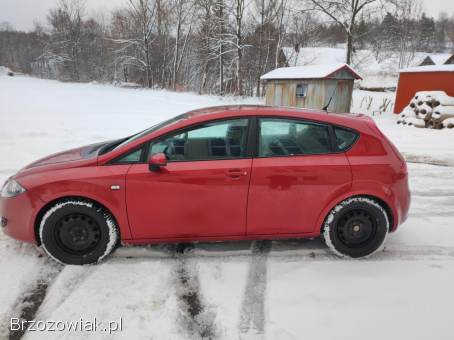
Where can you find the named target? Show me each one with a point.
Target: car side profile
(221, 173)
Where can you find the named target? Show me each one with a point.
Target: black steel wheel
(357, 227)
(78, 232)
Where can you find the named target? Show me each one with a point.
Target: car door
(296, 173)
(203, 189)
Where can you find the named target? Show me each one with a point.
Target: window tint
(344, 138)
(286, 137)
(216, 140)
(131, 157)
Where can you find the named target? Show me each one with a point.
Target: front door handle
(236, 173)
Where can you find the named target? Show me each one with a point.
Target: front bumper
(18, 217)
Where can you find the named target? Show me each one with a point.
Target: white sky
(22, 13)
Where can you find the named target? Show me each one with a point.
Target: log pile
(429, 109)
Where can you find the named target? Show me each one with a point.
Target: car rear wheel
(78, 232)
(357, 227)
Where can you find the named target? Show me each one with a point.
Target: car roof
(353, 120)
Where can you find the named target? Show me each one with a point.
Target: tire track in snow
(195, 318)
(252, 315)
(68, 280)
(28, 304)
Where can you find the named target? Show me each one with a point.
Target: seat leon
(215, 174)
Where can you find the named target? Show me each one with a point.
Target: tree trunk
(348, 58)
(221, 47)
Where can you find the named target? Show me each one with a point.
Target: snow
(377, 71)
(418, 145)
(286, 290)
(4, 71)
(440, 59)
(307, 72)
(429, 68)
(437, 58)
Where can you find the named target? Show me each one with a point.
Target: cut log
(449, 123)
(417, 122)
(425, 111)
(445, 100)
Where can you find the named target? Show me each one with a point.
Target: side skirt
(221, 238)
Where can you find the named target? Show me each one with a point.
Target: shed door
(341, 93)
(277, 95)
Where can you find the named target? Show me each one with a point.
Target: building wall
(283, 93)
(410, 83)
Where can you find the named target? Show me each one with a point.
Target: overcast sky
(22, 13)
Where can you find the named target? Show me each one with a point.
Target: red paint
(249, 198)
(157, 160)
(412, 82)
(188, 200)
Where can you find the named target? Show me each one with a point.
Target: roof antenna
(325, 108)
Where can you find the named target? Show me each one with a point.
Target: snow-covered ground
(235, 290)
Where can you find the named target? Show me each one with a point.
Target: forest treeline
(212, 46)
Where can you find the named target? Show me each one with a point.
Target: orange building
(423, 78)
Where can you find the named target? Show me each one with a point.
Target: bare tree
(238, 15)
(282, 15)
(135, 45)
(345, 13)
(221, 24)
(66, 33)
(406, 12)
(266, 14)
(184, 16)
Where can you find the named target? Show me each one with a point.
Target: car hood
(77, 157)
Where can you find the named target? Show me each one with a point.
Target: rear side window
(288, 137)
(344, 138)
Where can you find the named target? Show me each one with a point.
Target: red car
(222, 173)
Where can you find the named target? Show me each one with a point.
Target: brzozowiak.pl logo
(92, 325)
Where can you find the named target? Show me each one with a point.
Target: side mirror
(156, 161)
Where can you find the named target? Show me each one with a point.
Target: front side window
(216, 140)
(152, 129)
(130, 157)
(288, 137)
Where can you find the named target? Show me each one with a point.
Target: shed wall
(410, 83)
(283, 93)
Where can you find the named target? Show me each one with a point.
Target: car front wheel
(357, 227)
(78, 232)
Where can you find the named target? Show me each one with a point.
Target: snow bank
(5, 71)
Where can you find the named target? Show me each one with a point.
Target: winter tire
(357, 227)
(78, 232)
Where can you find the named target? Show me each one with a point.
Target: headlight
(12, 189)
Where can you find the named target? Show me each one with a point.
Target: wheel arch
(380, 200)
(51, 203)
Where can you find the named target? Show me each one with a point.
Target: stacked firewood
(429, 109)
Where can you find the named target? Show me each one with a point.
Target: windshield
(151, 129)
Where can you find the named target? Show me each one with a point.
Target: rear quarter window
(345, 138)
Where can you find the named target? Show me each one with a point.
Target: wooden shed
(423, 78)
(312, 87)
